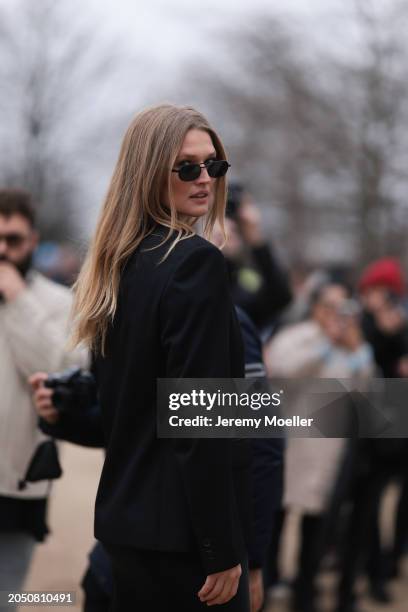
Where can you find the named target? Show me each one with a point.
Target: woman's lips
(201, 195)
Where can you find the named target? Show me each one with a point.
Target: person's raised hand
(42, 398)
(11, 281)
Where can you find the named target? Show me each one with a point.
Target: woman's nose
(204, 176)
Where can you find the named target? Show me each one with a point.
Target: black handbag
(44, 464)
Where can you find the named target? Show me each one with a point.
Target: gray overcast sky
(170, 29)
(161, 34)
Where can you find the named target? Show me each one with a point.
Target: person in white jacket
(34, 314)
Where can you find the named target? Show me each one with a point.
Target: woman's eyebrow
(192, 156)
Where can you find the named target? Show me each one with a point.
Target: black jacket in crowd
(266, 460)
(388, 348)
(265, 303)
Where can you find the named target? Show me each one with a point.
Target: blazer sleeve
(197, 324)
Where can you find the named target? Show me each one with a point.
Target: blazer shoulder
(200, 258)
(186, 249)
(192, 256)
(195, 244)
(197, 268)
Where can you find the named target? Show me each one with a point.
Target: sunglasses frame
(207, 165)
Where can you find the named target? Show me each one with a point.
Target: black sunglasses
(13, 240)
(215, 168)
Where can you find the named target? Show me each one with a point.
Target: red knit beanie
(386, 272)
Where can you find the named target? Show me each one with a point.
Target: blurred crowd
(312, 322)
(328, 323)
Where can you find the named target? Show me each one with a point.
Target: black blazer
(174, 319)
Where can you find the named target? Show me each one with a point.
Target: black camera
(234, 199)
(74, 390)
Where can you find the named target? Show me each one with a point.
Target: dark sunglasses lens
(216, 169)
(189, 172)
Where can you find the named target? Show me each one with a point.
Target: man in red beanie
(385, 326)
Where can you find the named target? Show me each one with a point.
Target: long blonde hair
(132, 207)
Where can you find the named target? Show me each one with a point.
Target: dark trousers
(165, 581)
(309, 562)
(361, 483)
(271, 571)
(96, 599)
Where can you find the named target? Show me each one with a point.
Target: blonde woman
(152, 301)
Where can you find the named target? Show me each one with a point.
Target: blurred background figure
(34, 316)
(329, 344)
(383, 295)
(259, 283)
(304, 284)
(370, 465)
(382, 288)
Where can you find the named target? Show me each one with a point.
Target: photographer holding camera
(34, 316)
(259, 284)
(67, 406)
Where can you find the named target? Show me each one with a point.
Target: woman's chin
(197, 209)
